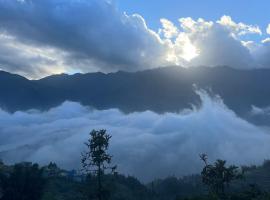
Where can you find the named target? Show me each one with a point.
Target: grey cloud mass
(219, 47)
(40, 38)
(146, 144)
(262, 53)
(91, 32)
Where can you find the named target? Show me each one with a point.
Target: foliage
(96, 159)
(117, 187)
(27, 181)
(172, 187)
(217, 176)
(61, 186)
(23, 181)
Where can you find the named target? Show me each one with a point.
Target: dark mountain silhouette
(169, 89)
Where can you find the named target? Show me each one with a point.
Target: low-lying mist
(144, 144)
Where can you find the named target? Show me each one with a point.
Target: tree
(217, 176)
(96, 159)
(52, 170)
(24, 181)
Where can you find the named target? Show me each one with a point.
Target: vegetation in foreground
(99, 180)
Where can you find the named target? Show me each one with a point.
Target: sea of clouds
(144, 144)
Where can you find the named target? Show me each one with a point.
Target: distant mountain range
(168, 89)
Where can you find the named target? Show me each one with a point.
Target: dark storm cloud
(146, 144)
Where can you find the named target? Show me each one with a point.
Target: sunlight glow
(189, 52)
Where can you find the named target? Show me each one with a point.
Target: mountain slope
(169, 89)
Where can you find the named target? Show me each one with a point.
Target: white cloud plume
(238, 28)
(268, 29)
(168, 29)
(260, 111)
(213, 43)
(146, 144)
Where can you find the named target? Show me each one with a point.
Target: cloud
(261, 53)
(28, 60)
(93, 35)
(268, 29)
(212, 43)
(260, 111)
(169, 30)
(259, 115)
(144, 144)
(238, 28)
(88, 33)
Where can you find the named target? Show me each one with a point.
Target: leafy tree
(52, 170)
(217, 176)
(96, 159)
(25, 181)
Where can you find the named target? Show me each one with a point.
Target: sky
(40, 38)
(247, 11)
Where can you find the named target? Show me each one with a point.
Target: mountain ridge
(168, 89)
